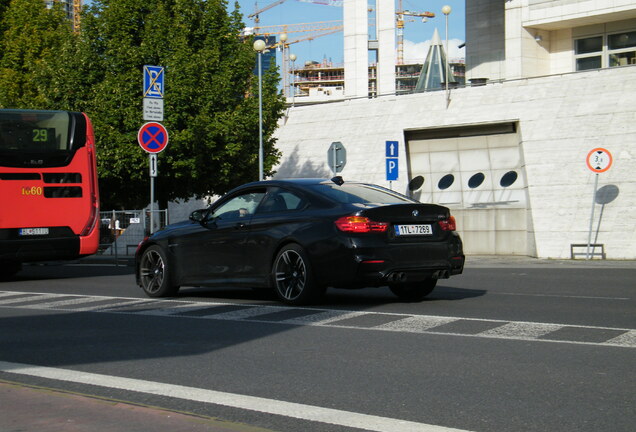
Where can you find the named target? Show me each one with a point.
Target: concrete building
(67, 5)
(324, 82)
(509, 157)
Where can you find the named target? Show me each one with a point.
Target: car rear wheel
(293, 278)
(413, 291)
(154, 274)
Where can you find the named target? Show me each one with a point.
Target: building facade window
(608, 50)
(622, 48)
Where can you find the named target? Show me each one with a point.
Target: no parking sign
(153, 137)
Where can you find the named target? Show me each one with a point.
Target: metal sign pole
(589, 237)
(152, 195)
(335, 160)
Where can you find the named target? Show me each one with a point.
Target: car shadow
(364, 298)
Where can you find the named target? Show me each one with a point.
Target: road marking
(526, 330)
(562, 296)
(252, 403)
(69, 302)
(375, 321)
(28, 298)
(416, 324)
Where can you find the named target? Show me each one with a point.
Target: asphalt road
(510, 345)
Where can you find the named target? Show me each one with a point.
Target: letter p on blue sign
(391, 169)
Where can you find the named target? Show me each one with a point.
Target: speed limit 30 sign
(599, 160)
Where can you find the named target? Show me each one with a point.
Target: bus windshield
(38, 138)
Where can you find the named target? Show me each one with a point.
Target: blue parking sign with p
(391, 169)
(153, 81)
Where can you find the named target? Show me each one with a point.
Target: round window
(508, 178)
(446, 181)
(476, 180)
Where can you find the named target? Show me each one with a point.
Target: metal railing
(122, 230)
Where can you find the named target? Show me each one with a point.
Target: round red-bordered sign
(599, 160)
(153, 137)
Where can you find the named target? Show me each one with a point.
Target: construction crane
(400, 13)
(257, 11)
(318, 26)
(314, 30)
(77, 11)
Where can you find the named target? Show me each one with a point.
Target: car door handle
(240, 226)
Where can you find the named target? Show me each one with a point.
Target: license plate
(407, 230)
(33, 231)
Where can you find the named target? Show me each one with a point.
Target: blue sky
(416, 33)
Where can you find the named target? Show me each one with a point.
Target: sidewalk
(37, 409)
(516, 261)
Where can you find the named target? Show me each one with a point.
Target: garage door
(478, 172)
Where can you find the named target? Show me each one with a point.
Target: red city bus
(49, 199)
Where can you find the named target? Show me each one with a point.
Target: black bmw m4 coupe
(301, 236)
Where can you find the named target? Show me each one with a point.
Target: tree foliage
(210, 99)
(31, 35)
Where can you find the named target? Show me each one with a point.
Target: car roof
(300, 182)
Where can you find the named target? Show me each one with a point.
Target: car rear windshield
(355, 193)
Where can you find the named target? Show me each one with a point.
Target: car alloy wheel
(292, 276)
(153, 273)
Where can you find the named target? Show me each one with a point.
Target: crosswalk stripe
(405, 323)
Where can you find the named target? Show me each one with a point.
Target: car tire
(292, 277)
(8, 269)
(413, 291)
(154, 273)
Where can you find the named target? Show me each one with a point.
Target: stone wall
(560, 119)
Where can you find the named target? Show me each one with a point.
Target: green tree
(210, 100)
(31, 37)
(211, 96)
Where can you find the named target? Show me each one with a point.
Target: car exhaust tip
(441, 274)
(396, 277)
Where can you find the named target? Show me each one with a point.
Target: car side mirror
(198, 216)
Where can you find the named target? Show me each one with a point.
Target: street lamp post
(259, 47)
(446, 10)
(292, 88)
(283, 39)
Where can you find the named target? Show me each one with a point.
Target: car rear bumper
(360, 262)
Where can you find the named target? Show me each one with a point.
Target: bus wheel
(9, 268)
(154, 273)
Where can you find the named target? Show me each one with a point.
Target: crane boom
(268, 7)
(298, 27)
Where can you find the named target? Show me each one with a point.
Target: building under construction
(72, 8)
(322, 81)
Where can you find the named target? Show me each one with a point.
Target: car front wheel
(293, 278)
(154, 274)
(413, 291)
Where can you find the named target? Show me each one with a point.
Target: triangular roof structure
(434, 72)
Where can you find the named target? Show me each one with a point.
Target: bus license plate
(33, 231)
(406, 230)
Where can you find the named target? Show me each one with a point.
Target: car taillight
(448, 224)
(360, 224)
